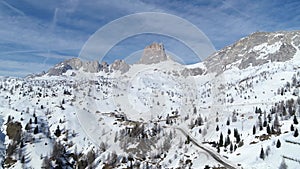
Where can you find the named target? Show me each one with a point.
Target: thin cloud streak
(53, 26)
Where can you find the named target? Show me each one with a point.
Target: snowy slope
(157, 116)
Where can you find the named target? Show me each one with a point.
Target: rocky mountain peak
(153, 53)
(254, 50)
(74, 64)
(120, 65)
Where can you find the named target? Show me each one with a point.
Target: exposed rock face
(120, 65)
(104, 67)
(153, 53)
(74, 64)
(59, 69)
(256, 49)
(192, 72)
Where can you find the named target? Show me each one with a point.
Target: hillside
(237, 109)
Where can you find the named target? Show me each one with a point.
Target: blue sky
(35, 34)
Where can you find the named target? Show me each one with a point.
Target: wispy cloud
(57, 30)
(226, 21)
(21, 69)
(12, 8)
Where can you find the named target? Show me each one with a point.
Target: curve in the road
(211, 153)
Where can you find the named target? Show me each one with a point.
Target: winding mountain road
(215, 156)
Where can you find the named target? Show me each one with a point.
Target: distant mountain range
(239, 108)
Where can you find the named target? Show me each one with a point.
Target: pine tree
(195, 110)
(283, 164)
(238, 138)
(259, 111)
(227, 141)
(296, 133)
(130, 158)
(168, 119)
(272, 130)
(221, 140)
(284, 113)
(231, 147)
(276, 122)
(23, 159)
(269, 118)
(22, 144)
(103, 146)
(278, 144)
(236, 135)
(229, 131)
(206, 167)
(46, 163)
(260, 125)
(187, 140)
(254, 130)
(262, 154)
(267, 152)
(35, 120)
(235, 132)
(116, 137)
(199, 121)
(36, 130)
(8, 119)
(91, 156)
(234, 117)
(57, 132)
(295, 120)
(217, 128)
(260, 128)
(228, 122)
(268, 129)
(28, 126)
(265, 123)
(292, 127)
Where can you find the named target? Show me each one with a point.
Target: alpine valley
(239, 108)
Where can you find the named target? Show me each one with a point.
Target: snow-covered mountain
(237, 109)
(256, 49)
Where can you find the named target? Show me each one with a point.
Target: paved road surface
(217, 157)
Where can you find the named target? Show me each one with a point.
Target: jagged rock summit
(254, 50)
(74, 64)
(153, 53)
(87, 66)
(120, 65)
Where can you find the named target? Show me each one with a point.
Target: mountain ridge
(162, 115)
(244, 53)
(256, 49)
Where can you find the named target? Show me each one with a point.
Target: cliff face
(153, 53)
